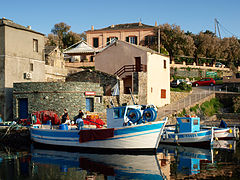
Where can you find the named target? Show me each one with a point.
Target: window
(35, 45)
(91, 58)
(116, 113)
(95, 42)
(149, 40)
(109, 39)
(164, 64)
(98, 99)
(163, 93)
(132, 39)
(31, 67)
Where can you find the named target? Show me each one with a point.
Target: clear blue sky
(190, 15)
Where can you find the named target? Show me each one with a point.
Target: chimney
(29, 27)
(3, 18)
(112, 26)
(139, 24)
(92, 28)
(156, 24)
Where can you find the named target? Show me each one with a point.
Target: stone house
(54, 64)
(106, 81)
(38, 96)
(141, 70)
(21, 60)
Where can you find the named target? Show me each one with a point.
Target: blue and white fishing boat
(129, 128)
(187, 132)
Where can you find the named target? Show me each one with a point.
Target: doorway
(90, 104)
(23, 108)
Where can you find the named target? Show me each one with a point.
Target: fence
(187, 102)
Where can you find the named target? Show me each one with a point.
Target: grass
(211, 107)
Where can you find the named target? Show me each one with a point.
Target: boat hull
(188, 139)
(143, 137)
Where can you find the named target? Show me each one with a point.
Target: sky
(191, 15)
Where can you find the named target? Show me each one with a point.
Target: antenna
(217, 26)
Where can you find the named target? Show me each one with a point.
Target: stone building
(54, 64)
(141, 70)
(106, 81)
(38, 96)
(21, 60)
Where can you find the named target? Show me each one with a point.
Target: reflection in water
(170, 162)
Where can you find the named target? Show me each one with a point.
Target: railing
(188, 101)
(130, 68)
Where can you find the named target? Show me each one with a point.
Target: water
(171, 162)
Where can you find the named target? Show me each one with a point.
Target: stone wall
(176, 96)
(142, 88)
(197, 72)
(105, 80)
(57, 96)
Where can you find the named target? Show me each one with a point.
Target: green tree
(207, 45)
(62, 37)
(231, 50)
(176, 41)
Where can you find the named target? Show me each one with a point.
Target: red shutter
(163, 93)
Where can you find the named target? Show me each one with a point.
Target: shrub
(184, 86)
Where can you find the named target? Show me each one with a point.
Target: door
(23, 108)
(138, 64)
(89, 104)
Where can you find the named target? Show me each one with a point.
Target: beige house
(21, 60)
(142, 71)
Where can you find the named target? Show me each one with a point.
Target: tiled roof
(81, 48)
(126, 26)
(49, 49)
(10, 23)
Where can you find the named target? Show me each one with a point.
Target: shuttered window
(163, 93)
(95, 42)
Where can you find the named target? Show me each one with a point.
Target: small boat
(187, 132)
(129, 128)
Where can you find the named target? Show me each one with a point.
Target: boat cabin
(188, 124)
(129, 115)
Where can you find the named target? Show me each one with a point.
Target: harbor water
(170, 162)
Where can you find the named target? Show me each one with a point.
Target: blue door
(23, 108)
(89, 104)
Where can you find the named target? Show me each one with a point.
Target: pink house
(135, 33)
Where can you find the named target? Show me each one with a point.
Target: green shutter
(127, 39)
(136, 40)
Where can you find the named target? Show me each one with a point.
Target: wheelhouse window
(95, 42)
(35, 45)
(132, 39)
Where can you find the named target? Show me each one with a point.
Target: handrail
(130, 68)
